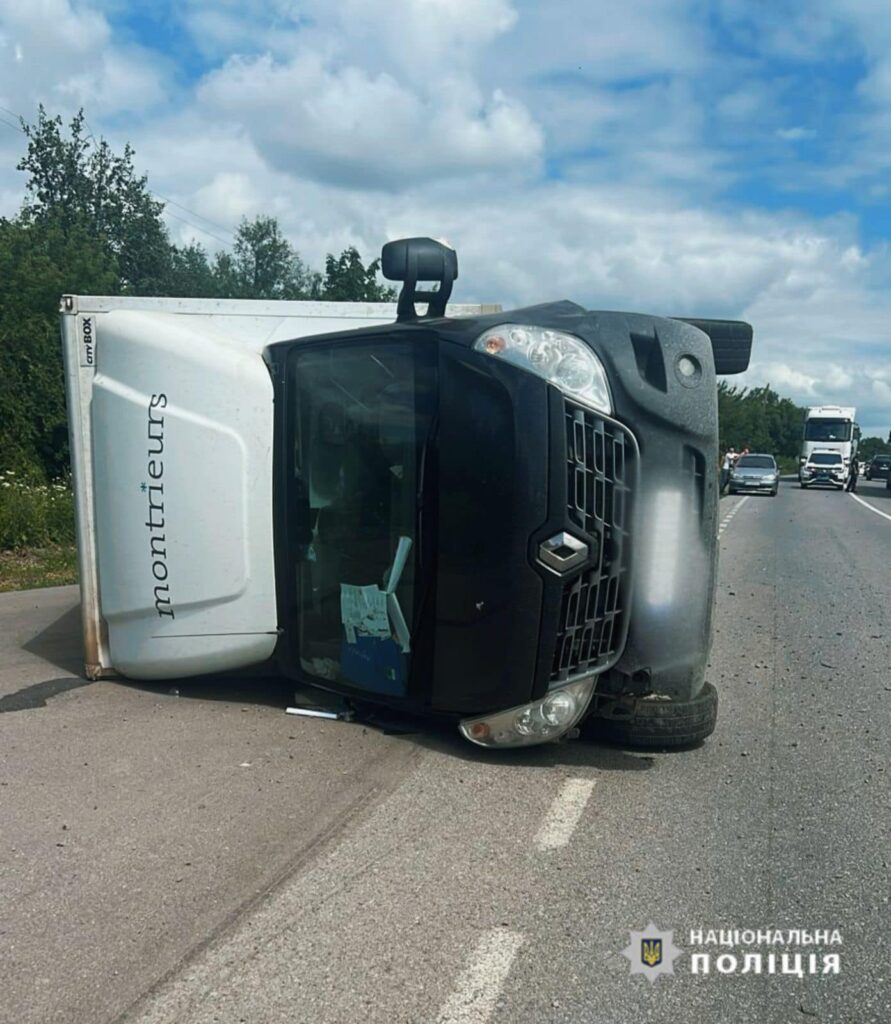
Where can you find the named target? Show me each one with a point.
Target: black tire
(730, 490)
(804, 487)
(773, 493)
(661, 723)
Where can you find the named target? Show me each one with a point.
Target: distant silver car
(755, 473)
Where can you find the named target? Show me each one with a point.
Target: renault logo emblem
(562, 552)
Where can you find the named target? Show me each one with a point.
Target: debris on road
(312, 713)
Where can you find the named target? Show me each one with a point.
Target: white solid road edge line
(479, 986)
(564, 814)
(871, 508)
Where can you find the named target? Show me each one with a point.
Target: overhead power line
(207, 220)
(197, 227)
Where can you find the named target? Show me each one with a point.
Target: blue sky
(723, 158)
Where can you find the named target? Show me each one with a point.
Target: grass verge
(30, 568)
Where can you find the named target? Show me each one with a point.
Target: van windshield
(827, 430)
(360, 417)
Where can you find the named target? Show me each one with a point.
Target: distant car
(754, 473)
(879, 467)
(823, 468)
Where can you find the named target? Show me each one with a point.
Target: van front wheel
(655, 723)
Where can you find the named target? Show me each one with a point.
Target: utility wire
(12, 113)
(197, 227)
(207, 220)
(16, 127)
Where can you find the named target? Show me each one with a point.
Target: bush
(34, 513)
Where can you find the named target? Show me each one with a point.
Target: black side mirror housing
(731, 342)
(411, 260)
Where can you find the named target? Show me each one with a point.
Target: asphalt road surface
(200, 856)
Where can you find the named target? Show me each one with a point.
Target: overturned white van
(505, 518)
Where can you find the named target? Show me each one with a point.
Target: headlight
(538, 722)
(768, 479)
(560, 358)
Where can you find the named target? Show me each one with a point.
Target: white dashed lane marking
(564, 814)
(871, 508)
(725, 522)
(479, 986)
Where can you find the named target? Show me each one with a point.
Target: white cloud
(796, 134)
(116, 81)
(425, 39)
(63, 55)
(785, 379)
(836, 377)
(342, 124)
(626, 41)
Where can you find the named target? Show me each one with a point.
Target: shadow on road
(443, 738)
(418, 730)
(59, 643)
(874, 493)
(265, 690)
(36, 695)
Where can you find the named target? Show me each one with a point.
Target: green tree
(77, 181)
(872, 446)
(38, 263)
(759, 419)
(348, 280)
(264, 265)
(191, 273)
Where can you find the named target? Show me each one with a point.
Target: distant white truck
(828, 429)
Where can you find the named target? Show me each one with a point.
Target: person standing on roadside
(729, 459)
(851, 485)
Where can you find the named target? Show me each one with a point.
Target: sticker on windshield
(371, 612)
(363, 611)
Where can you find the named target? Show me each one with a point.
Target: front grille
(601, 467)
